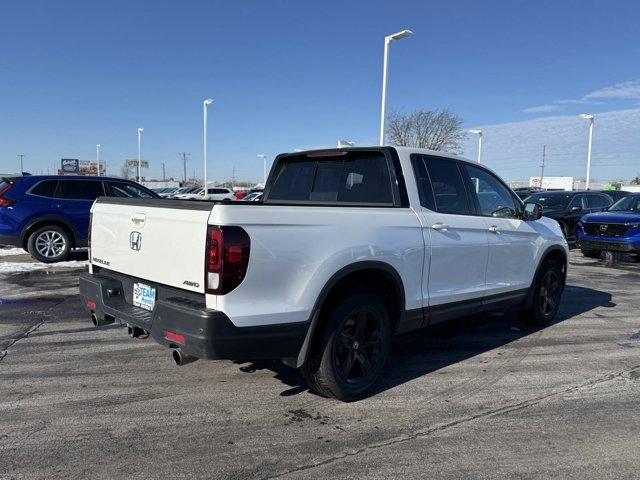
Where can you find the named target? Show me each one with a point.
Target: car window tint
(422, 180)
(46, 188)
(494, 199)
(126, 190)
(79, 189)
(449, 192)
(352, 177)
(597, 201)
(578, 201)
(217, 191)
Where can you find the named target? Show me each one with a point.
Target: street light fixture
(479, 133)
(98, 158)
(591, 118)
(264, 168)
(140, 130)
(205, 108)
(387, 41)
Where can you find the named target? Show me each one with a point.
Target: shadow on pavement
(424, 351)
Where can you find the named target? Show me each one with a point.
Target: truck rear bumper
(184, 323)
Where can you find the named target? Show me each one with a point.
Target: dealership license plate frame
(144, 296)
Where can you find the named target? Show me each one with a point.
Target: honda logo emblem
(135, 241)
(603, 228)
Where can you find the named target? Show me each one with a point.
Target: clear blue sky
(287, 74)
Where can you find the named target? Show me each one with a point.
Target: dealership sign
(134, 164)
(70, 166)
(552, 183)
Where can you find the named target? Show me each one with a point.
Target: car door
(513, 242)
(576, 210)
(73, 199)
(456, 239)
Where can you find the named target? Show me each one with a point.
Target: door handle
(440, 226)
(494, 229)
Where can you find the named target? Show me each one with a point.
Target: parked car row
(49, 215)
(595, 221)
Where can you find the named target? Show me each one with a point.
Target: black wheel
(547, 291)
(49, 244)
(591, 253)
(353, 350)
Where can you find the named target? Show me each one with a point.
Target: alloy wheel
(357, 351)
(50, 244)
(550, 291)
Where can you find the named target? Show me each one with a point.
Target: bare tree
(436, 130)
(124, 170)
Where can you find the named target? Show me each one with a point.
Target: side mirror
(532, 211)
(575, 208)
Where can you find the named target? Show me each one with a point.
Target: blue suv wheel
(49, 244)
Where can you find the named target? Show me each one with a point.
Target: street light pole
(205, 107)
(264, 169)
(591, 119)
(21, 164)
(479, 133)
(140, 130)
(385, 67)
(98, 158)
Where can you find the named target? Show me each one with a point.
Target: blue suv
(49, 215)
(617, 229)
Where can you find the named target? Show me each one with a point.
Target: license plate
(144, 296)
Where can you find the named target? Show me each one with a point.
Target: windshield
(627, 204)
(551, 200)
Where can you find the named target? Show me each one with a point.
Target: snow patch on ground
(7, 251)
(14, 267)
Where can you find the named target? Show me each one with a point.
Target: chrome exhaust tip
(180, 358)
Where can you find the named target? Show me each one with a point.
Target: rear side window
(46, 188)
(217, 191)
(79, 189)
(349, 177)
(447, 184)
(126, 190)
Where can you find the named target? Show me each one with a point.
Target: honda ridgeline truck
(347, 248)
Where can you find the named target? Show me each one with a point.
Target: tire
(353, 349)
(591, 253)
(49, 244)
(547, 292)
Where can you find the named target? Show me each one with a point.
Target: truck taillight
(227, 258)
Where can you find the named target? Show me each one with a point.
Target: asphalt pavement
(483, 397)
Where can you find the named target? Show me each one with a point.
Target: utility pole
(233, 177)
(184, 156)
(163, 175)
(544, 156)
(21, 166)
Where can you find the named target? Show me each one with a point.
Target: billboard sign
(134, 164)
(70, 166)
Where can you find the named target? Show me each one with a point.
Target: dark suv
(567, 208)
(49, 215)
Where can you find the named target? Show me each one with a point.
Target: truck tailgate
(159, 239)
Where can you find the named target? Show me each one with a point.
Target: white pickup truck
(347, 248)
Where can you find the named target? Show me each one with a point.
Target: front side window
(349, 177)
(79, 189)
(46, 188)
(126, 190)
(494, 199)
(598, 201)
(578, 201)
(449, 193)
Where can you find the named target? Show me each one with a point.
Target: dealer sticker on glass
(144, 296)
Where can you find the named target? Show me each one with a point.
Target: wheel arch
(349, 279)
(43, 221)
(559, 255)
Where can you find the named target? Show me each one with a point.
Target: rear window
(46, 188)
(79, 189)
(348, 177)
